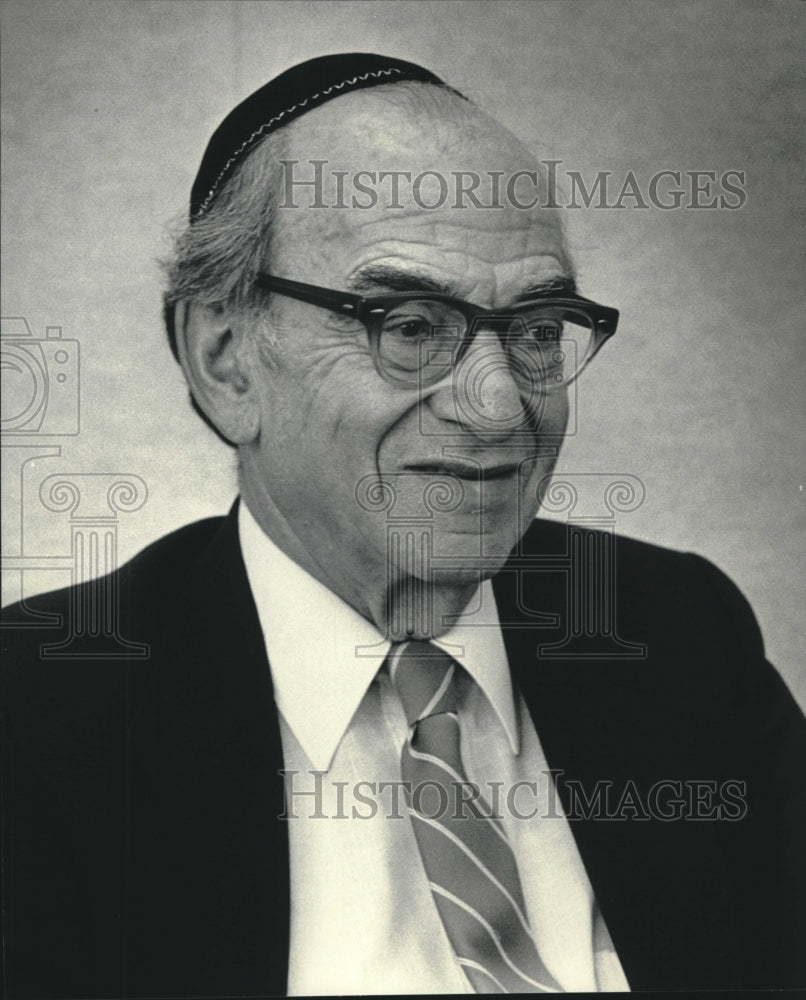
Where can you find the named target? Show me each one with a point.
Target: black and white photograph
(403, 492)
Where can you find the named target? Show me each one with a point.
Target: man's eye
(408, 328)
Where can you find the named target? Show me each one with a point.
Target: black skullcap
(285, 98)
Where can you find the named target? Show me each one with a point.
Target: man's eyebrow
(559, 286)
(381, 277)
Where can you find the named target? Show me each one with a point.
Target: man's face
(346, 462)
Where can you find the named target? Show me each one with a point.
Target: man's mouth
(465, 470)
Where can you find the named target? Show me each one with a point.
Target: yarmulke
(286, 97)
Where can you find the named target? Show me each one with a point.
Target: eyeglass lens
(422, 339)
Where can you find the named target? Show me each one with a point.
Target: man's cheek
(551, 413)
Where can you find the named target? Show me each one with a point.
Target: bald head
(408, 147)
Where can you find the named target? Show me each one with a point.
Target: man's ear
(213, 359)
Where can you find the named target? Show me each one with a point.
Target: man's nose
(484, 395)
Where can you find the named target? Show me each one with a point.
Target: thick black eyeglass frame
(372, 311)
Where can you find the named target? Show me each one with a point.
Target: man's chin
(464, 556)
(466, 579)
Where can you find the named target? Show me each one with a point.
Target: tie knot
(425, 677)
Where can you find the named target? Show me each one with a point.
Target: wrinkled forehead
(411, 164)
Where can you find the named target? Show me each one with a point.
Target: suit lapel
(610, 721)
(211, 901)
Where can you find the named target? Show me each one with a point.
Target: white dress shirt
(363, 920)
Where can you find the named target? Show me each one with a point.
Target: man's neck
(400, 604)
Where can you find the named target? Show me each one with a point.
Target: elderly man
(361, 756)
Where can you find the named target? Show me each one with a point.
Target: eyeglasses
(417, 339)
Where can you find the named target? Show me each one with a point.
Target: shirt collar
(324, 655)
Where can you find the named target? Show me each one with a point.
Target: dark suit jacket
(142, 851)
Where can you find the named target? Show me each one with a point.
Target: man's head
(365, 482)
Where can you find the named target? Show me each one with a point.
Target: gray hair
(217, 258)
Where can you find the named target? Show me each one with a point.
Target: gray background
(108, 106)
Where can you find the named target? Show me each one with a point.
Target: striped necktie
(471, 870)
